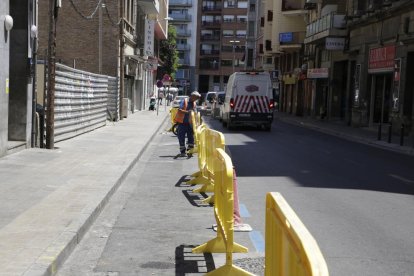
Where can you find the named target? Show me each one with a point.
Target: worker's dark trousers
(185, 129)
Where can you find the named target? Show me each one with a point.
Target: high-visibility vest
(179, 117)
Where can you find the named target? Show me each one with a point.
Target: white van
(208, 102)
(249, 100)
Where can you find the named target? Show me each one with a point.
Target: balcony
(183, 33)
(183, 47)
(293, 8)
(329, 25)
(184, 61)
(210, 37)
(177, 17)
(180, 3)
(211, 24)
(208, 9)
(209, 52)
(291, 40)
(149, 6)
(209, 65)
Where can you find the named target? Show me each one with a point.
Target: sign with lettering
(381, 59)
(286, 37)
(149, 38)
(335, 43)
(318, 73)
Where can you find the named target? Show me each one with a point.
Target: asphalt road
(356, 200)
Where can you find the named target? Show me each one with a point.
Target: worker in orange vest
(184, 122)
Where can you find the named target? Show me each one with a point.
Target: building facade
(182, 14)
(17, 47)
(221, 44)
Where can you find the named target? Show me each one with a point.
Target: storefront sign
(318, 73)
(381, 59)
(149, 38)
(335, 43)
(286, 37)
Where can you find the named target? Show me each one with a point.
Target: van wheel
(224, 123)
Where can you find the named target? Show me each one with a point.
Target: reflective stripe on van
(252, 104)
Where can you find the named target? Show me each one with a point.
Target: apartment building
(182, 15)
(221, 44)
(254, 37)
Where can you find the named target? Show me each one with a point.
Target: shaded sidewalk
(366, 135)
(49, 198)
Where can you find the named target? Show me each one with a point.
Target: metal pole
(121, 56)
(50, 111)
(100, 39)
(402, 135)
(34, 94)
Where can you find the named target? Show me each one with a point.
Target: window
(252, 7)
(242, 4)
(269, 16)
(230, 4)
(228, 33)
(241, 33)
(268, 45)
(226, 62)
(242, 18)
(228, 18)
(251, 28)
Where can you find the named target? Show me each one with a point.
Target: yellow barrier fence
(223, 212)
(290, 248)
(195, 122)
(211, 140)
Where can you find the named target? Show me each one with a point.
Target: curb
(53, 257)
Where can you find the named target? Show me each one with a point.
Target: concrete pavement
(49, 198)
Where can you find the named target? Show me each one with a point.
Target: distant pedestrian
(160, 97)
(184, 122)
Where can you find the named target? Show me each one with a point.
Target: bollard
(402, 135)
(379, 132)
(389, 133)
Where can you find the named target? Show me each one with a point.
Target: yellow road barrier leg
(229, 270)
(206, 188)
(198, 180)
(209, 200)
(217, 245)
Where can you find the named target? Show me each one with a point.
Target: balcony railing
(207, 65)
(181, 3)
(209, 37)
(181, 17)
(214, 23)
(210, 52)
(185, 33)
(183, 47)
(184, 61)
(327, 22)
(212, 8)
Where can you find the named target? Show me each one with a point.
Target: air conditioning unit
(126, 106)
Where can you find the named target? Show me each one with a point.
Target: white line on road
(401, 178)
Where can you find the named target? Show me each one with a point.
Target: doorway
(381, 98)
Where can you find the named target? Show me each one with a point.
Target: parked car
(215, 109)
(177, 100)
(208, 102)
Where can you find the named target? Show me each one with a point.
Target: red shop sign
(382, 58)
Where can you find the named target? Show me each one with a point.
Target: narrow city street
(356, 200)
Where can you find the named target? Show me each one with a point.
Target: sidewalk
(367, 136)
(49, 198)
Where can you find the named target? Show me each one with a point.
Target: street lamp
(233, 43)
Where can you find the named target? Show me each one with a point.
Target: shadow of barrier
(223, 213)
(188, 263)
(290, 248)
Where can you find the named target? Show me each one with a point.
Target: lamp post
(233, 43)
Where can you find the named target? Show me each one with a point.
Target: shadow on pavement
(186, 262)
(196, 199)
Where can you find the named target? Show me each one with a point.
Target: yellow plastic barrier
(211, 140)
(223, 212)
(290, 248)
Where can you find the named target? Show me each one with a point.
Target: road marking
(244, 213)
(258, 241)
(401, 178)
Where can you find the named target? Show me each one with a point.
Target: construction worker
(184, 122)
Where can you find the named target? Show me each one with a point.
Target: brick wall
(77, 38)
